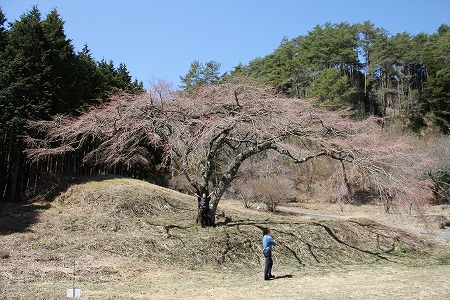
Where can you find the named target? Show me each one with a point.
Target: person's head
(204, 195)
(266, 231)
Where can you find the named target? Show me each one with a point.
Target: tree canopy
(208, 134)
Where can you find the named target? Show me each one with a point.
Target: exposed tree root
(303, 241)
(335, 238)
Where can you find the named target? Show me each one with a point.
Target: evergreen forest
(41, 75)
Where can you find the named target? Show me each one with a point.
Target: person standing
(203, 204)
(268, 242)
(203, 207)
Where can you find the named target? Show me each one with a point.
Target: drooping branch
(209, 133)
(298, 160)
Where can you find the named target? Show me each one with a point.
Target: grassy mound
(135, 219)
(113, 230)
(125, 201)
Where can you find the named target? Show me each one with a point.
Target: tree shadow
(20, 216)
(284, 276)
(17, 217)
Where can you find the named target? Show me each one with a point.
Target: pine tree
(193, 76)
(211, 72)
(122, 78)
(3, 31)
(200, 74)
(60, 59)
(25, 93)
(88, 78)
(438, 86)
(332, 87)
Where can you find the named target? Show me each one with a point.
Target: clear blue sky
(161, 38)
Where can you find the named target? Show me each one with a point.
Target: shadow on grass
(19, 217)
(16, 217)
(283, 276)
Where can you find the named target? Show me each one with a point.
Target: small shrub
(399, 249)
(270, 190)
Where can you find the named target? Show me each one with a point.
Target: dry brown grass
(132, 240)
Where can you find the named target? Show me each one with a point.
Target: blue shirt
(268, 242)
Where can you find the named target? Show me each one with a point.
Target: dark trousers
(204, 217)
(268, 265)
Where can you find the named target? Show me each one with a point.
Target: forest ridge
(356, 65)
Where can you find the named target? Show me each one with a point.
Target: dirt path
(415, 230)
(306, 214)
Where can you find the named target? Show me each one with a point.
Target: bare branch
(217, 127)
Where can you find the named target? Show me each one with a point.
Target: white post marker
(73, 293)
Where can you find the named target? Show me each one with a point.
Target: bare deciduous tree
(210, 133)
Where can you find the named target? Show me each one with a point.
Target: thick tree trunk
(212, 217)
(233, 167)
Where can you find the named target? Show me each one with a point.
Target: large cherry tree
(208, 134)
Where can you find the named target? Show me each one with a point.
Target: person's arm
(194, 193)
(272, 241)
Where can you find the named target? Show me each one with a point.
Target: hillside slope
(108, 228)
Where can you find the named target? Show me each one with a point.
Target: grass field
(138, 280)
(127, 239)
